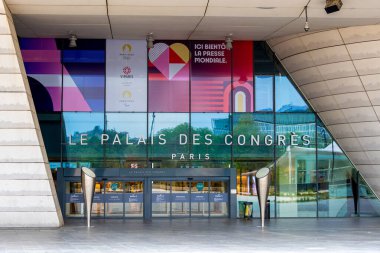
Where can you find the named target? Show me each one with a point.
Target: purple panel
(41, 55)
(38, 43)
(168, 96)
(43, 68)
(83, 87)
(42, 61)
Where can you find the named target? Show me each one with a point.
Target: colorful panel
(210, 77)
(126, 76)
(42, 60)
(243, 97)
(168, 68)
(84, 78)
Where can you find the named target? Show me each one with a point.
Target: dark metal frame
(148, 175)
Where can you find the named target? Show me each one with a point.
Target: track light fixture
(73, 41)
(228, 41)
(149, 40)
(333, 6)
(306, 27)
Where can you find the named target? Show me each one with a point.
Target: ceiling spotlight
(149, 40)
(306, 27)
(73, 41)
(228, 42)
(333, 6)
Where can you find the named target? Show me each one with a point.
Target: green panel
(81, 138)
(296, 165)
(126, 140)
(168, 140)
(209, 134)
(369, 203)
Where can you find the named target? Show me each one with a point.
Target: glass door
(180, 199)
(199, 199)
(98, 200)
(202, 197)
(161, 198)
(134, 195)
(114, 199)
(75, 203)
(218, 198)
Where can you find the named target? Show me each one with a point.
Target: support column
(27, 193)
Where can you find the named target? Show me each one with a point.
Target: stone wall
(27, 193)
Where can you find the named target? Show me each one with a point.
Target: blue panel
(160, 197)
(114, 198)
(133, 197)
(199, 197)
(180, 197)
(93, 56)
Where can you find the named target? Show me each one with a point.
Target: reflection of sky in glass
(133, 123)
(82, 122)
(158, 121)
(286, 94)
(264, 93)
(204, 120)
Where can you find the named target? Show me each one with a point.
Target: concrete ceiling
(183, 19)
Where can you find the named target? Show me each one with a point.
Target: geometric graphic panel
(42, 60)
(168, 70)
(210, 77)
(84, 76)
(243, 97)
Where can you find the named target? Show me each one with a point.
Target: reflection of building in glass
(293, 108)
(220, 126)
(299, 182)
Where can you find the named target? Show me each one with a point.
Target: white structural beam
(338, 71)
(27, 193)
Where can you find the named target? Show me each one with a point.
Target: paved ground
(199, 235)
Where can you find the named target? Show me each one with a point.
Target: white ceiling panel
(156, 11)
(160, 34)
(34, 20)
(345, 13)
(257, 3)
(160, 3)
(176, 19)
(318, 24)
(162, 27)
(253, 12)
(349, 4)
(82, 31)
(212, 21)
(56, 2)
(58, 9)
(155, 22)
(220, 35)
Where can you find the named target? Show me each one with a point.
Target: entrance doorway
(153, 193)
(198, 197)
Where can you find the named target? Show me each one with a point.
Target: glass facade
(232, 109)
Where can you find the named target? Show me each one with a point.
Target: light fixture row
(330, 7)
